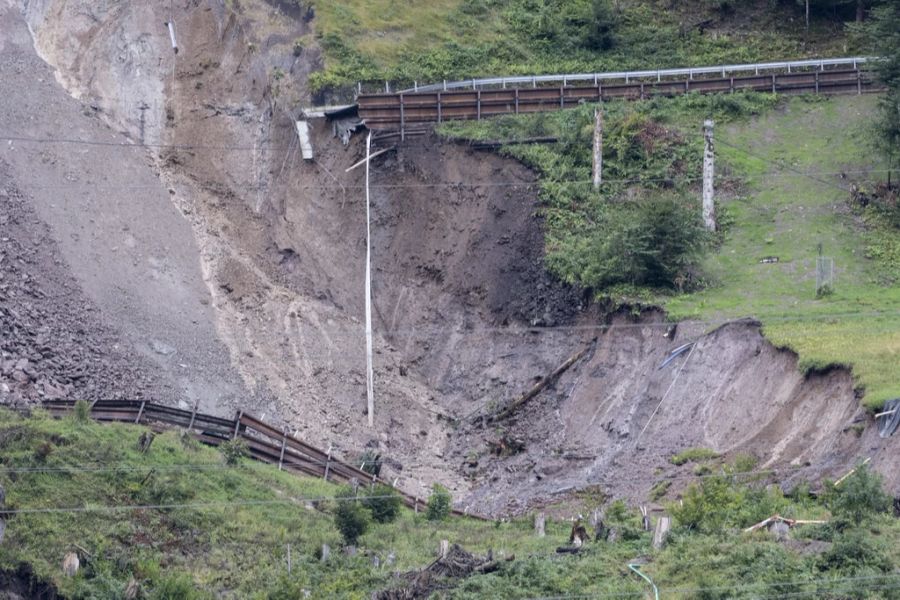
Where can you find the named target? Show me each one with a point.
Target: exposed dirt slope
(117, 233)
(280, 245)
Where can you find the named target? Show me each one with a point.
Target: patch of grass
(796, 199)
(693, 455)
(784, 174)
(228, 530)
(426, 41)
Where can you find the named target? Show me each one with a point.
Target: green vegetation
(438, 503)
(694, 455)
(419, 40)
(785, 170)
(350, 518)
(210, 530)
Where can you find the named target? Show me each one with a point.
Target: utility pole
(370, 379)
(709, 205)
(598, 147)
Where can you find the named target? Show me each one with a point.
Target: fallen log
(540, 385)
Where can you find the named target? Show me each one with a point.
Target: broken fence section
(265, 442)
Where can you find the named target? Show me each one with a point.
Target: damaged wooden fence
(265, 442)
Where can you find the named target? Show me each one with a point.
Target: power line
(831, 582)
(457, 184)
(190, 505)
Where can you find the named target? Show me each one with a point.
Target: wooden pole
(598, 147)
(539, 522)
(709, 205)
(370, 379)
(661, 531)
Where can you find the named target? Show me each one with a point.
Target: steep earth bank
(248, 262)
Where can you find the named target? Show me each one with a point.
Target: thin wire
(830, 582)
(669, 389)
(191, 505)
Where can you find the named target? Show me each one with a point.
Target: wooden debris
(780, 519)
(851, 472)
(540, 385)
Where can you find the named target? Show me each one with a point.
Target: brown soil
(248, 261)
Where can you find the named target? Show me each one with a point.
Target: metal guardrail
(265, 443)
(658, 74)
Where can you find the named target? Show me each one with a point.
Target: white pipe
(171, 27)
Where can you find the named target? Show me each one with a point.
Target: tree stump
(539, 521)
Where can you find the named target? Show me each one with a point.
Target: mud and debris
(442, 574)
(215, 265)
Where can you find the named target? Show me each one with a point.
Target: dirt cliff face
(215, 246)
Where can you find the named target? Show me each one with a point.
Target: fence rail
(659, 74)
(265, 442)
(404, 111)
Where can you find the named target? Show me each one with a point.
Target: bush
(175, 587)
(82, 411)
(438, 503)
(859, 496)
(653, 242)
(233, 451)
(383, 503)
(693, 455)
(350, 518)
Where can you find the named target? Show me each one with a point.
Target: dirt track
(230, 255)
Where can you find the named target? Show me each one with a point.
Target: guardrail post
(193, 414)
(858, 82)
(732, 85)
(479, 105)
(283, 446)
(237, 424)
(773, 83)
(562, 96)
(327, 463)
(140, 412)
(517, 100)
(402, 120)
(817, 82)
(440, 116)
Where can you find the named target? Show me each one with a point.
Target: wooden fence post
(193, 414)
(283, 446)
(328, 463)
(237, 424)
(539, 520)
(661, 531)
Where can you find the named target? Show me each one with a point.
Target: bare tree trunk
(709, 206)
(860, 10)
(598, 148)
(807, 15)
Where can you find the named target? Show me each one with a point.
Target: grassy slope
(787, 214)
(777, 207)
(239, 551)
(424, 40)
(236, 550)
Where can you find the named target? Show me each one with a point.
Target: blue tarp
(889, 419)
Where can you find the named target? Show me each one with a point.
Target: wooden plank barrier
(265, 443)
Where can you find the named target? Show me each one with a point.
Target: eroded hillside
(235, 268)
